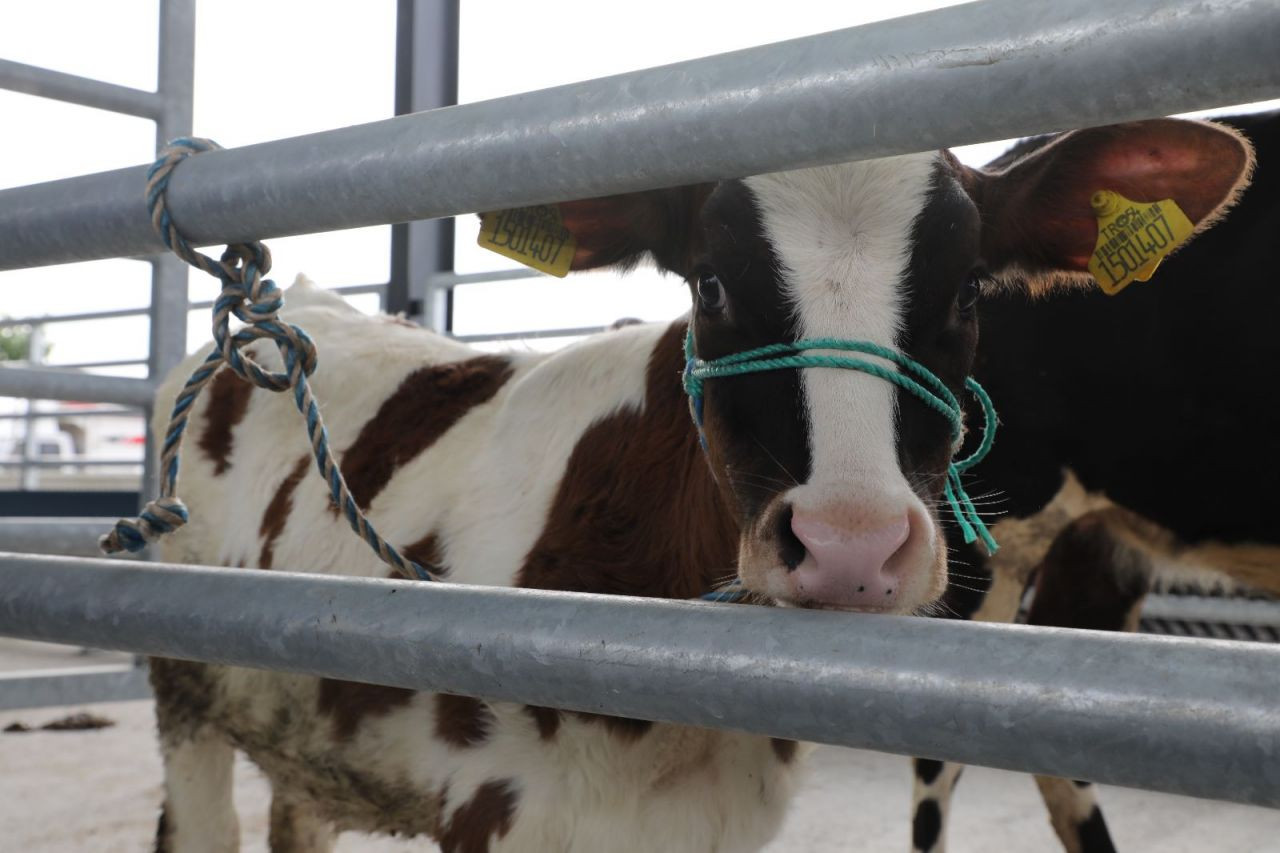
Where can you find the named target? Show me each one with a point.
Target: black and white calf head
(836, 475)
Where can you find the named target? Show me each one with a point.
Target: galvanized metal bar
(529, 335)
(1187, 717)
(426, 79)
(82, 365)
(1226, 611)
(29, 475)
(175, 78)
(116, 313)
(69, 537)
(988, 70)
(46, 83)
(168, 313)
(354, 289)
(49, 384)
(70, 463)
(42, 688)
(66, 413)
(46, 319)
(72, 537)
(455, 279)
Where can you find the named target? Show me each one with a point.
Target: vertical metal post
(426, 78)
(29, 475)
(175, 81)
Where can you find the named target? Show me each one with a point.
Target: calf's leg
(1095, 575)
(931, 804)
(198, 815)
(987, 590)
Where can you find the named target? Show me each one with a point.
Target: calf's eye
(710, 293)
(970, 290)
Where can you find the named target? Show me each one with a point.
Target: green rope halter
(912, 376)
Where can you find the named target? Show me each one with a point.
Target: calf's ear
(620, 230)
(1038, 226)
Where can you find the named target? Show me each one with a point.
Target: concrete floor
(67, 792)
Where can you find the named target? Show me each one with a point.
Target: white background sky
(275, 68)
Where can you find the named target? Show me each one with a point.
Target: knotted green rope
(911, 376)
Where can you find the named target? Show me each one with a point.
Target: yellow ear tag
(1133, 238)
(534, 236)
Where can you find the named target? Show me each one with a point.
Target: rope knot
(160, 516)
(255, 300)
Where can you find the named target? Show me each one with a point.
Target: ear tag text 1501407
(1133, 238)
(534, 236)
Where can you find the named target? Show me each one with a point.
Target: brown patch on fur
(637, 511)
(1095, 572)
(784, 749)
(228, 401)
(349, 702)
(546, 719)
(486, 814)
(426, 552)
(462, 721)
(185, 692)
(278, 510)
(1024, 543)
(426, 405)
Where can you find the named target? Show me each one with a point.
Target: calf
(1148, 439)
(582, 470)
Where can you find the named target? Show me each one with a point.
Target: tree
(15, 343)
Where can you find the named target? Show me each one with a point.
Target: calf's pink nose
(847, 566)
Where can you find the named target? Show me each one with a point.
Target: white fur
(842, 235)
(199, 812)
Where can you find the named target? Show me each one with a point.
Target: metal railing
(1197, 718)
(980, 71)
(170, 108)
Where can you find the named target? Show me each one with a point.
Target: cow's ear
(619, 230)
(1038, 226)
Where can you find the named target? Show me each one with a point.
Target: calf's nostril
(790, 549)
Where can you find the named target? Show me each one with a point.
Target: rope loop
(250, 297)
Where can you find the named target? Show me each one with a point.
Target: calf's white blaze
(842, 236)
(843, 239)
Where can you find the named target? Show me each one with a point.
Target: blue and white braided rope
(250, 297)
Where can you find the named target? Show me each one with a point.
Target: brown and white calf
(582, 470)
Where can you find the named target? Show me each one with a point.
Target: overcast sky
(316, 65)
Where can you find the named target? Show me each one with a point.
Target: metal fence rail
(65, 536)
(50, 384)
(1187, 717)
(44, 83)
(79, 685)
(987, 70)
(170, 107)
